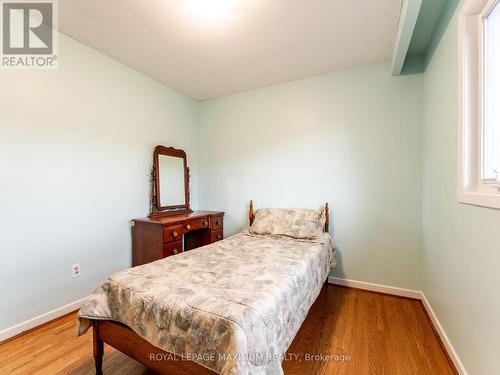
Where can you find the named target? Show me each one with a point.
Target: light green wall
(461, 243)
(75, 154)
(351, 138)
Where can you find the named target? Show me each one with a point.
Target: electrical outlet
(75, 268)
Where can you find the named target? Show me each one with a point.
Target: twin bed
(232, 307)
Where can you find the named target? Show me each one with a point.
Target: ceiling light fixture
(212, 10)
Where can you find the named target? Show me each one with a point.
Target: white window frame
(471, 188)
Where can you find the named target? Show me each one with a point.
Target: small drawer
(196, 224)
(216, 222)
(172, 249)
(216, 235)
(172, 233)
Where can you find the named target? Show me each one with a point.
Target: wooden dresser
(159, 237)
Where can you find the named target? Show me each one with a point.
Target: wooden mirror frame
(156, 208)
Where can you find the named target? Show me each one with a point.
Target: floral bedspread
(233, 306)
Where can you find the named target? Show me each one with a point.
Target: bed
(232, 307)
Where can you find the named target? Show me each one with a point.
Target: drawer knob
(175, 234)
(175, 251)
(217, 223)
(205, 223)
(188, 227)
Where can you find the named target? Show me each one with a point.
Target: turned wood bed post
(327, 219)
(251, 216)
(98, 348)
(325, 284)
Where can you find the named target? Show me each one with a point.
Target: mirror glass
(171, 180)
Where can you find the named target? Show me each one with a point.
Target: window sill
(491, 200)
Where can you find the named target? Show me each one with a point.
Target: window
(479, 153)
(491, 96)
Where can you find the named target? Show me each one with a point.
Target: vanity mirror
(170, 182)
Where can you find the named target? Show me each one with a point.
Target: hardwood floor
(363, 332)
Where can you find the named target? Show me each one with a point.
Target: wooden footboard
(128, 342)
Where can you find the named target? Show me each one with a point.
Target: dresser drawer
(216, 222)
(196, 224)
(172, 233)
(172, 248)
(216, 235)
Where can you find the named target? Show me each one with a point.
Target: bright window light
(479, 110)
(212, 10)
(491, 92)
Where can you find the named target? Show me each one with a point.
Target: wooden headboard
(251, 215)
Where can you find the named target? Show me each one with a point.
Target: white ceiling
(257, 43)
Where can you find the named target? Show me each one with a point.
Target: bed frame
(128, 342)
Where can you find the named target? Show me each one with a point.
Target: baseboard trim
(408, 293)
(39, 320)
(444, 338)
(414, 294)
